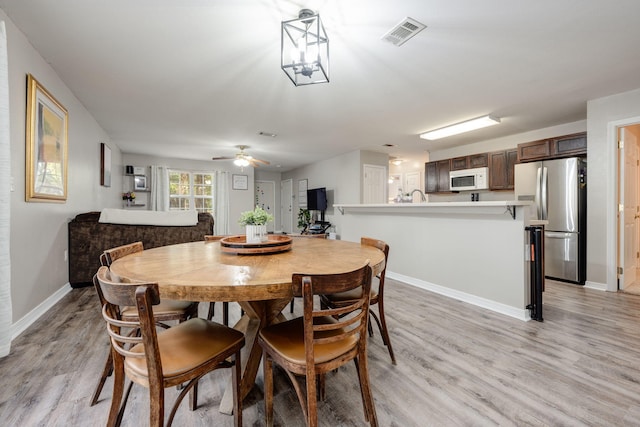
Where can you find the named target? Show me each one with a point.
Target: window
(191, 190)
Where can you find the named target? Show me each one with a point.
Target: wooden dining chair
(377, 296)
(166, 311)
(212, 304)
(305, 236)
(181, 354)
(320, 341)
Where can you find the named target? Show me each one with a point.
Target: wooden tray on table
(238, 245)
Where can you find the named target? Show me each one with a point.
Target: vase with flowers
(129, 197)
(255, 223)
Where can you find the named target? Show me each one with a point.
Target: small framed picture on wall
(240, 182)
(139, 182)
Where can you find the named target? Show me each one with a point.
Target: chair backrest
(212, 238)
(143, 296)
(350, 321)
(385, 249)
(110, 255)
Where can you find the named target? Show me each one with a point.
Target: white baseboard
(595, 285)
(21, 325)
(520, 314)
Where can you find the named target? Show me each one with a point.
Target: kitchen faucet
(423, 198)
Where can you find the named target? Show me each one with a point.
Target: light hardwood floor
(458, 365)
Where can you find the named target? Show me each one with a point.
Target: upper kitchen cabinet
(501, 166)
(553, 148)
(469, 162)
(436, 176)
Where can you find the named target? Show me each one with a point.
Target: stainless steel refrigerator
(559, 191)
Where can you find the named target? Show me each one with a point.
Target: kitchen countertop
(488, 207)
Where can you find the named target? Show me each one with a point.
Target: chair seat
(165, 308)
(186, 346)
(287, 338)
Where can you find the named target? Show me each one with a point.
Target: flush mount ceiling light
(397, 162)
(305, 49)
(461, 127)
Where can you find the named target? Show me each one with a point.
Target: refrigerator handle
(538, 197)
(545, 193)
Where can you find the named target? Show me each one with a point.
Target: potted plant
(304, 219)
(255, 224)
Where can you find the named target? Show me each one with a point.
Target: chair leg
(193, 397)
(291, 306)
(106, 372)
(225, 313)
(382, 324)
(118, 391)
(156, 405)
(237, 396)
(212, 310)
(267, 364)
(312, 399)
(365, 388)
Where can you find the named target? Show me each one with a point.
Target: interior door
(628, 218)
(286, 206)
(374, 184)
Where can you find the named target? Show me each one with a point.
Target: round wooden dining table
(261, 283)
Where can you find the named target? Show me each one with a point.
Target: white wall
(239, 200)
(39, 230)
(342, 177)
(603, 115)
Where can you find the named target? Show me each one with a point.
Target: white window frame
(191, 197)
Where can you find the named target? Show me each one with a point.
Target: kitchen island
(472, 251)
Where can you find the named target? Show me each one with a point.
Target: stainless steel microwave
(469, 179)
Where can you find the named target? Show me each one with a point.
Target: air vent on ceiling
(402, 32)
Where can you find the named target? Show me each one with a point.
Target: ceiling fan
(242, 159)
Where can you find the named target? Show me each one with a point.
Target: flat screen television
(317, 199)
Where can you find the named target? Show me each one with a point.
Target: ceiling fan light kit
(242, 159)
(305, 49)
(462, 127)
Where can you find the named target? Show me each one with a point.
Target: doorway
(628, 258)
(286, 206)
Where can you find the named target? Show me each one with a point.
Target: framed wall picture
(240, 182)
(46, 146)
(139, 182)
(105, 165)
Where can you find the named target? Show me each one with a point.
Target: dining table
(260, 282)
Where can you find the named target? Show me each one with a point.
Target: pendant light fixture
(305, 49)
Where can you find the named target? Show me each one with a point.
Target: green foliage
(304, 218)
(258, 216)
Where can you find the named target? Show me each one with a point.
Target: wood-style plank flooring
(458, 365)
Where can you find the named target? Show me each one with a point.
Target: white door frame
(286, 205)
(612, 201)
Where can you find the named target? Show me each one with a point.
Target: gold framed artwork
(46, 146)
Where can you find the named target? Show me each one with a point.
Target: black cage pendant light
(305, 49)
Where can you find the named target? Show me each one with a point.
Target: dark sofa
(88, 238)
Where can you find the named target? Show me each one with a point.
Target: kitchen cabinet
(436, 175)
(553, 148)
(470, 162)
(501, 166)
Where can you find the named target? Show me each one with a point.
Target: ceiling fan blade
(264, 162)
(222, 158)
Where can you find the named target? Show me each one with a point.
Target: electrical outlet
(66, 255)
